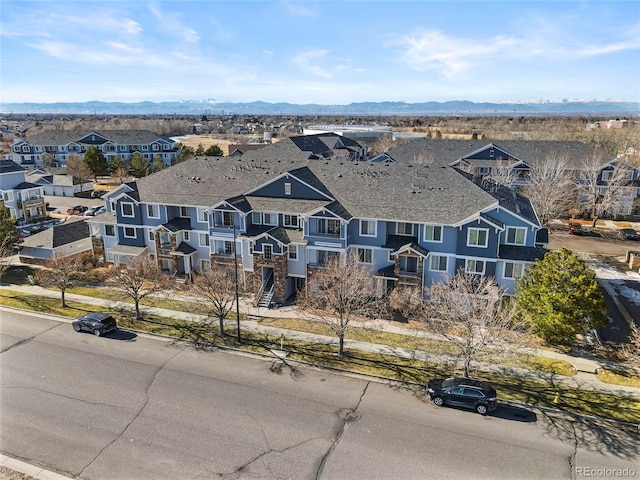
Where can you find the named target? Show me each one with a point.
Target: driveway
(606, 255)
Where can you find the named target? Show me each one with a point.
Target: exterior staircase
(267, 294)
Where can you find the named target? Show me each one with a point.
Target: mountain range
(212, 107)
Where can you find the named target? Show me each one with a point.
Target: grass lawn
(618, 378)
(510, 387)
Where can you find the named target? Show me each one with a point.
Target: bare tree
(121, 175)
(62, 272)
(339, 293)
(502, 173)
(470, 312)
(407, 302)
(138, 279)
(78, 169)
(216, 287)
(6, 251)
(597, 194)
(550, 188)
(382, 144)
(632, 349)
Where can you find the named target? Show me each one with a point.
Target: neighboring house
(324, 146)
(513, 160)
(55, 146)
(58, 183)
(239, 150)
(67, 239)
(24, 199)
(284, 215)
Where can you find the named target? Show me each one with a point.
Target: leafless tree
(502, 173)
(550, 188)
(121, 175)
(216, 287)
(600, 196)
(76, 168)
(62, 272)
(385, 143)
(138, 279)
(339, 293)
(407, 301)
(632, 349)
(6, 251)
(470, 312)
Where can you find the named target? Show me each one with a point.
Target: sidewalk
(585, 367)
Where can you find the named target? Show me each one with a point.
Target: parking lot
(58, 206)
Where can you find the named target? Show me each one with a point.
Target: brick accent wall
(280, 266)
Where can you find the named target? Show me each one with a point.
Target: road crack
(144, 405)
(347, 416)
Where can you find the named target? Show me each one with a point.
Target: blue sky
(321, 52)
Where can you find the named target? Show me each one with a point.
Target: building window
(365, 255)
(256, 218)
(287, 189)
(153, 211)
(205, 265)
(433, 233)
(270, 218)
(328, 227)
(477, 237)
(439, 263)
(109, 231)
(203, 239)
(513, 270)
(129, 232)
(368, 228)
(152, 236)
(202, 215)
(516, 235)
(475, 266)
(290, 220)
(186, 236)
(184, 212)
(403, 228)
(228, 248)
(267, 252)
(293, 252)
(324, 257)
(408, 264)
(126, 209)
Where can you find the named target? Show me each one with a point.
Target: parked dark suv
(98, 323)
(628, 234)
(463, 392)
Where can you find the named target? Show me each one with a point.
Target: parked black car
(96, 322)
(628, 234)
(98, 193)
(463, 392)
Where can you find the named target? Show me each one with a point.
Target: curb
(29, 469)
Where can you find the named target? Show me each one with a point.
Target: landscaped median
(541, 392)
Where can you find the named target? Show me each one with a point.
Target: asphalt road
(134, 407)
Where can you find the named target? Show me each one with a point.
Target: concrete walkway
(586, 367)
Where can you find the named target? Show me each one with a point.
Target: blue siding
(299, 190)
(138, 241)
(490, 250)
(354, 237)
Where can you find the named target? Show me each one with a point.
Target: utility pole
(235, 262)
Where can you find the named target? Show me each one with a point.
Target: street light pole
(235, 262)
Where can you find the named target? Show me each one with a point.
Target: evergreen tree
(186, 152)
(199, 151)
(214, 151)
(8, 232)
(139, 166)
(117, 163)
(95, 161)
(158, 164)
(559, 297)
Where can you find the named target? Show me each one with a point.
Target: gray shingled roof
(9, 166)
(178, 224)
(120, 137)
(439, 151)
(286, 205)
(389, 191)
(58, 235)
(520, 253)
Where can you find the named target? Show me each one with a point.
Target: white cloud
(308, 61)
(297, 9)
(172, 25)
(434, 50)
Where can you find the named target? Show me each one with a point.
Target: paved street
(128, 406)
